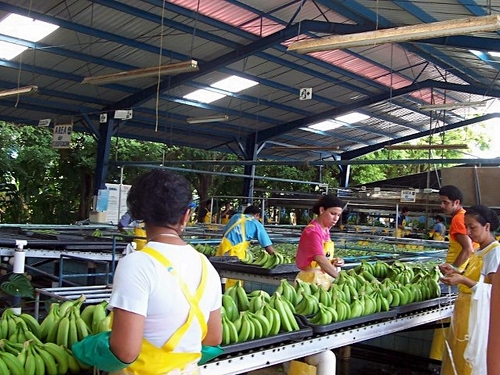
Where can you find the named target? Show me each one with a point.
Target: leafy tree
(362, 174)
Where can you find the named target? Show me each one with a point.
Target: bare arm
(493, 350)
(326, 265)
(126, 335)
(214, 331)
(467, 249)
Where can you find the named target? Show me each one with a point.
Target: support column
(103, 149)
(344, 176)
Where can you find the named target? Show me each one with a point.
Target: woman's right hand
(338, 262)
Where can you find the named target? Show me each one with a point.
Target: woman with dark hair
(315, 251)
(467, 338)
(166, 298)
(317, 265)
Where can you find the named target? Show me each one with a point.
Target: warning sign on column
(62, 136)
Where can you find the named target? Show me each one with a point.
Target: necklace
(164, 235)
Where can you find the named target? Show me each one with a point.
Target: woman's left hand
(451, 279)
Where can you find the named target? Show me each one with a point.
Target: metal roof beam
(366, 150)
(283, 128)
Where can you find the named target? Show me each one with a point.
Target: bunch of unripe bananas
(30, 348)
(255, 315)
(266, 260)
(205, 249)
(65, 324)
(35, 358)
(358, 292)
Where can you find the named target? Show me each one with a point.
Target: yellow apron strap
(193, 300)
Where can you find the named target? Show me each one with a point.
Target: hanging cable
(157, 104)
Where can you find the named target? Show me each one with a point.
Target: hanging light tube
(206, 119)
(427, 147)
(18, 91)
(168, 69)
(399, 34)
(450, 106)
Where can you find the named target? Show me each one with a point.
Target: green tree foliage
(475, 139)
(39, 184)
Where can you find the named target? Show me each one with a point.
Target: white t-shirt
(142, 285)
(491, 260)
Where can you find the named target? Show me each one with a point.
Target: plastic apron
(226, 248)
(437, 347)
(162, 361)
(314, 274)
(400, 232)
(139, 231)
(459, 328)
(208, 217)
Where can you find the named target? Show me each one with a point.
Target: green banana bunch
(302, 286)
(380, 270)
(74, 366)
(342, 308)
(325, 315)
(273, 260)
(241, 297)
(22, 333)
(205, 249)
(285, 310)
(262, 258)
(7, 323)
(273, 316)
(308, 305)
(336, 292)
(98, 314)
(256, 303)
(59, 354)
(49, 320)
(230, 308)
(357, 308)
(248, 258)
(229, 332)
(9, 364)
(246, 331)
(287, 291)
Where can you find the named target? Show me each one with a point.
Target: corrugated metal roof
(386, 82)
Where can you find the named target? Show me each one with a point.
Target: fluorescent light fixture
(232, 84)
(18, 91)
(168, 69)
(306, 148)
(427, 147)
(352, 118)
(205, 119)
(450, 106)
(25, 28)
(399, 34)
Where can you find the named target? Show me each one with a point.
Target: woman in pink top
(315, 252)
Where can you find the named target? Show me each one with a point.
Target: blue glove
(209, 352)
(94, 350)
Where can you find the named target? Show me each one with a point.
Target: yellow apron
(163, 361)
(438, 342)
(314, 274)
(400, 232)
(208, 217)
(140, 236)
(436, 236)
(226, 248)
(459, 328)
